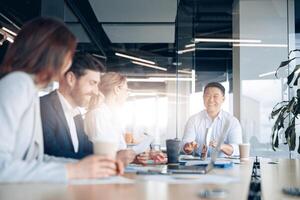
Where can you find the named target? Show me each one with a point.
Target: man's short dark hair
(215, 85)
(84, 61)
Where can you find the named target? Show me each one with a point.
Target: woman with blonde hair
(104, 121)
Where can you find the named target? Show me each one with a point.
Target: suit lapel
(61, 116)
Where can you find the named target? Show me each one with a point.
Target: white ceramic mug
(244, 151)
(105, 148)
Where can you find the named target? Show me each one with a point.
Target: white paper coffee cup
(244, 151)
(105, 148)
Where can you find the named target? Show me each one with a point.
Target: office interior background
(170, 49)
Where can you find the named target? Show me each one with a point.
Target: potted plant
(287, 112)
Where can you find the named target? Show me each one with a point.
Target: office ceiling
(154, 30)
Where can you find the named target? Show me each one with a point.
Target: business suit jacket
(57, 137)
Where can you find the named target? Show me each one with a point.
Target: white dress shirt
(70, 113)
(197, 125)
(104, 124)
(22, 156)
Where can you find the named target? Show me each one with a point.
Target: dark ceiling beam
(85, 14)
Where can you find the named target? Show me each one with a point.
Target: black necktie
(79, 124)
(84, 144)
(79, 129)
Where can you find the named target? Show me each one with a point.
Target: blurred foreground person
(40, 54)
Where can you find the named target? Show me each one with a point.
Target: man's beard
(80, 99)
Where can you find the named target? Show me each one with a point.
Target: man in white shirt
(203, 129)
(62, 122)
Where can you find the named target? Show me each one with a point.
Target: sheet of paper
(109, 180)
(197, 162)
(143, 145)
(218, 162)
(184, 158)
(190, 179)
(133, 168)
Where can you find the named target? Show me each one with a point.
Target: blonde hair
(109, 81)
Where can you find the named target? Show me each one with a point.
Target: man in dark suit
(62, 122)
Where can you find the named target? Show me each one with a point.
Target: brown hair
(83, 62)
(109, 81)
(40, 48)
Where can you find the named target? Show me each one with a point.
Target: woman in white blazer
(103, 122)
(41, 53)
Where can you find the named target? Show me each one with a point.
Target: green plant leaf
(282, 64)
(299, 146)
(291, 77)
(275, 142)
(276, 111)
(290, 134)
(286, 112)
(292, 140)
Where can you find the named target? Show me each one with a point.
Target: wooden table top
(139, 190)
(277, 176)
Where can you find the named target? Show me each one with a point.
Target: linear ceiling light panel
(135, 58)
(186, 50)
(185, 71)
(226, 40)
(9, 31)
(147, 65)
(6, 36)
(189, 45)
(170, 79)
(267, 74)
(261, 45)
(142, 80)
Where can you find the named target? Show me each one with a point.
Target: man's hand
(225, 148)
(158, 157)
(204, 152)
(213, 143)
(190, 147)
(126, 156)
(94, 166)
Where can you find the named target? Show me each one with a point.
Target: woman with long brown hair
(40, 54)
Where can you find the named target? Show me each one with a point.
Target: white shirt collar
(219, 116)
(67, 107)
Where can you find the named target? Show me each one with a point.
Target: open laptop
(194, 169)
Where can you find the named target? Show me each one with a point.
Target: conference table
(274, 176)
(278, 174)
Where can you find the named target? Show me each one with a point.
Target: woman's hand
(126, 156)
(94, 166)
(142, 158)
(158, 157)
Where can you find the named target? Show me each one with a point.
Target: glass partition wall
(161, 102)
(271, 23)
(237, 43)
